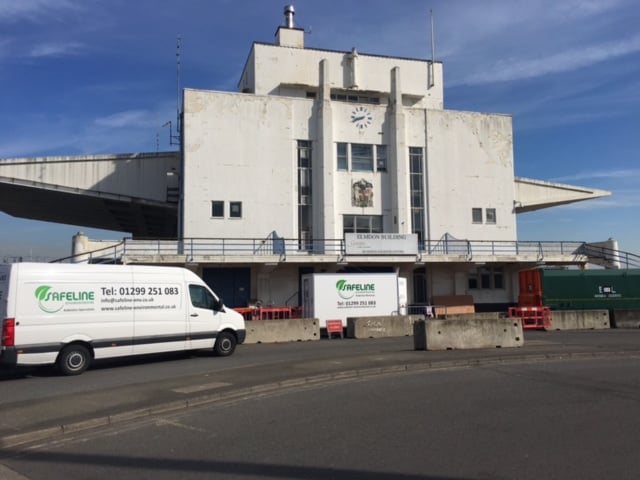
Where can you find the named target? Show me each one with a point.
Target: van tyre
(225, 344)
(73, 359)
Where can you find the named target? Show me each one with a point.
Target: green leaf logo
(41, 292)
(48, 307)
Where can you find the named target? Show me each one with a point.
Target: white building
(328, 161)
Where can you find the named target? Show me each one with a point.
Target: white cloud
(15, 10)
(127, 119)
(56, 50)
(511, 69)
(617, 174)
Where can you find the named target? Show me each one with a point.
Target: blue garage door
(232, 284)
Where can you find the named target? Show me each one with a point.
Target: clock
(361, 117)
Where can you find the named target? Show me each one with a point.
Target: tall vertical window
(416, 185)
(381, 158)
(343, 159)
(304, 195)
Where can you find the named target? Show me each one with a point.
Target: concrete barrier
(579, 319)
(278, 331)
(383, 326)
(625, 318)
(469, 333)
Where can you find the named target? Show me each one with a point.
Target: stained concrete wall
(625, 319)
(579, 319)
(280, 331)
(468, 333)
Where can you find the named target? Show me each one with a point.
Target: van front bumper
(241, 335)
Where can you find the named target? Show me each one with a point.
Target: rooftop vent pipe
(289, 12)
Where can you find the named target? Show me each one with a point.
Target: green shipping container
(591, 289)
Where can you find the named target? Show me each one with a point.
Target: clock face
(361, 117)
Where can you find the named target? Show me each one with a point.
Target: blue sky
(98, 76)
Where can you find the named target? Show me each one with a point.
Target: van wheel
(225, 344)
(73, 359)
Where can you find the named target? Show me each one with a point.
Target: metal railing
(196, 248)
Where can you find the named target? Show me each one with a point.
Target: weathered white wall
(271, 69)
(241, 147)
(470, 164)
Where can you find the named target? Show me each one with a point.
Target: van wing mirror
(218, 305)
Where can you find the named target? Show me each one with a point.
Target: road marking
(201, 388)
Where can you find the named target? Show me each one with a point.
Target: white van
(68, 315)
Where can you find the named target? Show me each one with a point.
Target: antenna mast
(175, 139)
(433, 54)
(178, 86)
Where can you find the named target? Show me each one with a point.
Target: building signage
(381, 243)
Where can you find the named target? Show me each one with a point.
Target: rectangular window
(476, 215)
(362, 223)
(343, 160)
(381, 158)
(235, 209)
(417, 194)
(305, 199)
(490, 215)
(361, 157)
(486, 278)
(217, 209)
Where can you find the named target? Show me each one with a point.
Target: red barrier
(269, 313)
(532, 318)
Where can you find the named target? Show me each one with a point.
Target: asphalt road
(558, 419)
(51, 424)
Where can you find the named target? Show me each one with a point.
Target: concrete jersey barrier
(278, 331)
(382, 326)
(625, 318)
(579, 319)
(468, 333)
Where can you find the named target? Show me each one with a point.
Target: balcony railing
(199, 248)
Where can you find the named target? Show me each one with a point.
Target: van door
(204, 317)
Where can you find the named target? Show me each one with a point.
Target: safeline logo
(348, 290)
(52, 301)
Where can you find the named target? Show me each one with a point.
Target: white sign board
(381, 243)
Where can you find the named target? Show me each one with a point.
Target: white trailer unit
(337, 296)
(68, 315)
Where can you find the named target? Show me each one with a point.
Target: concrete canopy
(133, 193)
(531, 195)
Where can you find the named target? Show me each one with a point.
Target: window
(362, 224)
(490, 215)
(305, 207)
(416, 182)
(217, 209)
(476, 215)
(343, 97)
(487, 278)
(201, 297)
(343, 160)
(381, 158)
(235, 209)
(361, 157)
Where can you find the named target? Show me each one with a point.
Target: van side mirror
(218, 305)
